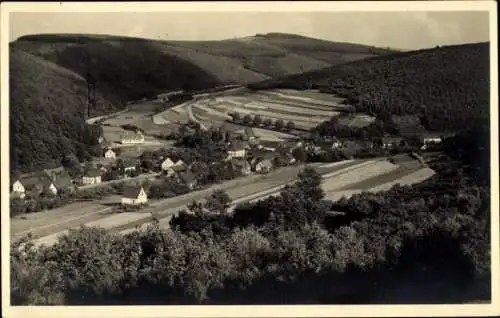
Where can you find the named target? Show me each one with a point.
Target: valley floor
(340, 179)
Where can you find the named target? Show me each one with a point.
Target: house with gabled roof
(132, 138)
(129, 164)
(134, 195)
(61, 179)
(35, 183)
(110, 154)
(167, 163)
(92, 176)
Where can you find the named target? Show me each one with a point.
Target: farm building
(237, 149)
(109, 154)
(134, 195)
(242, 166)
(132, 138)
(189, 179)
(35, 183)
(263, 166)
(61, 179)
(167, 163)
(92, 176)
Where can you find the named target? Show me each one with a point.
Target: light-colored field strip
(334, 164)
(291, 109)
(118, 219)
(305, 99)
(312, 93)
(212, 111)
(276, 99)
(412, 178)
(359, 174)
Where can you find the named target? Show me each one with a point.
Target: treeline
(47, 114)
(293, 248)
(446, 87)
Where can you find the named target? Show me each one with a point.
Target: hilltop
(130, 68)
(47, 112)
(445, 88)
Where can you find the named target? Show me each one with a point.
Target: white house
(167, 163)
(134, 195)
(18, 189)
(236, 150)
(131, 138)
(92, 176)
(430, 141)
(110, 154)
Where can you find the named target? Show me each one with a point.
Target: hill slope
(171, 65)
(48, 74)
(47, 109)
(447, 87)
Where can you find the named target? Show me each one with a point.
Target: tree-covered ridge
(293, 248)
(48, 106)
(448, 87)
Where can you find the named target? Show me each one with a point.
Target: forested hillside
(447, 88)
(48, 106)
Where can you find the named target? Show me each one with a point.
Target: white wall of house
(167, 163)
(110, 154)
(179, 163)
(52, 189)
(18, 187)
(141, 199)
(91, 180)
(237, 153)
(132, 168)
(432, 140)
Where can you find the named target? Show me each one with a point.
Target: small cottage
(167, 163)
(109, 154)
(92, 176)
(61, 179)
(129, 165)
(134, 195)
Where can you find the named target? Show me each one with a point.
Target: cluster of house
(48, 181)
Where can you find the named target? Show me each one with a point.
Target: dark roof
(92, 172)
(129, 162)
(240, 163)
(188, 176)
(31, 180)
(266, 162)
(237, 145)
(131, 192)
(60, 177)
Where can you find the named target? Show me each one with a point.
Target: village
(241, 153)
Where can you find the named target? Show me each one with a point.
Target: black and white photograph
(321, 154)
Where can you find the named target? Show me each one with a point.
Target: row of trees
(257, 120)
